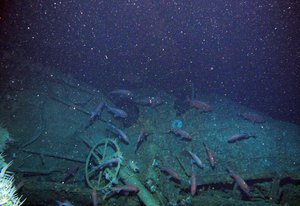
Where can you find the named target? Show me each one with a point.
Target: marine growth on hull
(78, 145)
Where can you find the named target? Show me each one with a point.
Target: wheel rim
(101, 152)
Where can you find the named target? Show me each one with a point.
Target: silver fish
(116, 111)
(121, 135)
(123, 93)
(196, 160)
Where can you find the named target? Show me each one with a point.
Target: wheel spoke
(99, 178)
(110, 173)
(96, 157)
(90, 173)
(101, 173)
(105, 147)
(99, 151)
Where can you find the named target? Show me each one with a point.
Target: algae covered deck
(50, 112)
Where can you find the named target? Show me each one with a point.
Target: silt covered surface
(49, 111)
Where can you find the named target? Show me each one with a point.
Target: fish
(252, 117)
(109, 163)
(97, 112)
(121, 135)
(239, 137)
(125, 190)
(199, 105)
(65, 203)
(122, 93)
(239, 181)
(95, 199)
(169, 172)
(181, 133)
(141, 138)
(210, 156)
(150, 101)
(116, 112)
(196, 160)
(95, 115)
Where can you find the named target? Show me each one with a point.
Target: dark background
(246, 50)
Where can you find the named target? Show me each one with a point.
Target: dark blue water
(246, 50)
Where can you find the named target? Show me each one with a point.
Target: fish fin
(92, 114)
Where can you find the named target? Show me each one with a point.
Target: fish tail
(253, 135)
(228, 170)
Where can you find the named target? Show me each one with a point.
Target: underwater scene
(149, 103)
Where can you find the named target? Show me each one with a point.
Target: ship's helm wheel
(100, 153)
